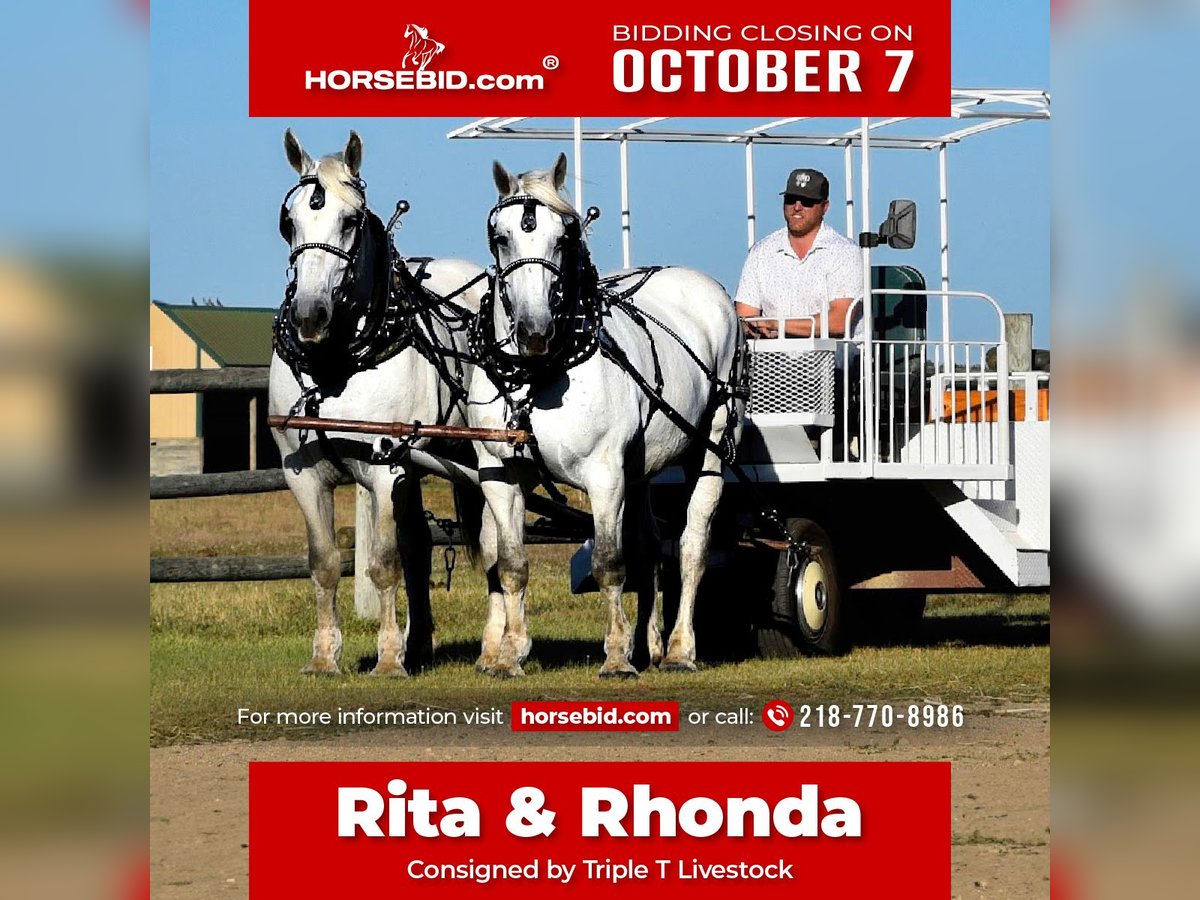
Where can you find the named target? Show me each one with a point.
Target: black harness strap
(399, 312)
(594, 299)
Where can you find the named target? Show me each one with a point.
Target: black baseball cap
(807, 183)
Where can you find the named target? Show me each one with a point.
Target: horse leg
(315, 499)
(606, 489)
(693, 550)
(493, 631)
(388, 494)
(507, 505)
(416, 546)
(644, 548)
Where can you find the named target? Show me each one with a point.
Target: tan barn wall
(37, 329)
(173, 416)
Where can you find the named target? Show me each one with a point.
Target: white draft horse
(554, 357)
(421, 47)
(347, 348)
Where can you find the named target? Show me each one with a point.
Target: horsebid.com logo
(414, 74)
(421, 47)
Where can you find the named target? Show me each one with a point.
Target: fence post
(253, 432)
(1018, 334)
(366, 598)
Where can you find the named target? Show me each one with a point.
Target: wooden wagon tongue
(402, 429)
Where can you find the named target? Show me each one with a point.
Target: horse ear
(560, 171)
(296, 154)
(352, 155)
(505, 183)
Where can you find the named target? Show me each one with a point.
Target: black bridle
(380, 307)
(576, 306)
(287, 230)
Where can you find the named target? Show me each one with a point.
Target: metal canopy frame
(972, 111)
(995, 107)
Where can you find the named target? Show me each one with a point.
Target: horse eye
(501, 241)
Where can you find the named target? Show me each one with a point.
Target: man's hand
(763, 328)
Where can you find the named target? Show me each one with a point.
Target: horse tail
(468, 504)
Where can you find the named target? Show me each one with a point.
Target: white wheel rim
(812, 596)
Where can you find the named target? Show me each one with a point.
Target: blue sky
(75, 115)
(217, 176)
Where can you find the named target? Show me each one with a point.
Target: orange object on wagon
(962, 406)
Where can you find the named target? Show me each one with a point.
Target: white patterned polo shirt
(781, 285)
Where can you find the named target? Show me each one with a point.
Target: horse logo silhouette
(421, 47)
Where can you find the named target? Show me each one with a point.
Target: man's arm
(749, 303)
(800, 328)
(754, 329)
(812, 326)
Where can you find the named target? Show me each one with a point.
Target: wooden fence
(259, 568)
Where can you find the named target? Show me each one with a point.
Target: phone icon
(778, 715)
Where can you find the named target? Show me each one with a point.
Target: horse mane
(337, 179)
(539, 184)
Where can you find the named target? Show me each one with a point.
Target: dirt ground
(1001, 789)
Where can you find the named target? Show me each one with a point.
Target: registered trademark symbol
(550, 62)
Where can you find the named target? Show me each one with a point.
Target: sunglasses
(806, 202)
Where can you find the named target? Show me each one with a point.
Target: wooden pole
(366, 598)
(253, 432)
(402, 429)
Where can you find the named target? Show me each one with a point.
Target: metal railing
(930, 408)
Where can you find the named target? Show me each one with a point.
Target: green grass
(217, 647)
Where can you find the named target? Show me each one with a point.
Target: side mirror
(899, 229)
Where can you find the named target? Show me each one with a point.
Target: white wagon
(912, 462)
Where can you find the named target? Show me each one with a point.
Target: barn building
(223, 431)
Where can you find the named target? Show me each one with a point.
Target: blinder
(287, 229)
(367, 227)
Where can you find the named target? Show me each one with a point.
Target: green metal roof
(231, 335)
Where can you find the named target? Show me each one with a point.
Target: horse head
(531, 231)
(326, 229)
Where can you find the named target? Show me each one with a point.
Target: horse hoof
(381, 671)
(625, 671)
(677, 665)
(499, 671)
(320, 667)
(484, 665)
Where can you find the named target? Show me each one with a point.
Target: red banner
(594, 715)
(669, 58)
(469, 830)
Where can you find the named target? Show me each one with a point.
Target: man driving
(804, 271)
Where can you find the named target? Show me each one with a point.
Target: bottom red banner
(505, 829)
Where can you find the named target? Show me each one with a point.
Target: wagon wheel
(807, 614)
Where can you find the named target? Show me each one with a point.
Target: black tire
(814, 622)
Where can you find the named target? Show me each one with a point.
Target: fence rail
(166, 569)
(191, 381)
(216, 484)
(565, 525)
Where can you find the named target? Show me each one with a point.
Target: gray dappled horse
(582, 371)
(359, 337)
